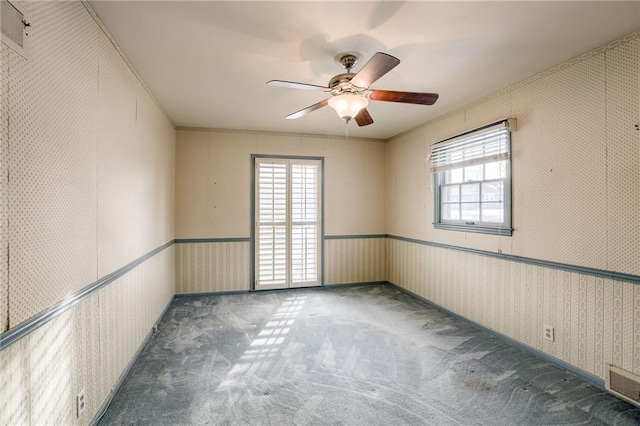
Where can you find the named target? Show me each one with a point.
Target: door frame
(252, 258)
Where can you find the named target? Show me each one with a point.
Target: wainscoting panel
(47, 368)
(595, 319)
(85, 347)
(86, 356)
(128, 309)
(14, 384)
(355, 260)
(51, 371)
(206, 267)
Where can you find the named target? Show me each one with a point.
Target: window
(288, 222)
(472, 181)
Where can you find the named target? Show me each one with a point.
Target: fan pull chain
(346, 129)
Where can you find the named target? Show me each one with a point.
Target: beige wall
(213, 190)
(576, 198)
(213, 200)
(87, 187)
(576, 156)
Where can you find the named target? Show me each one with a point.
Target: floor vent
(623, 384)
(13, 27)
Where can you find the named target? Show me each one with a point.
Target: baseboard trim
(515, 343)
(209, 293)
(125, 373)
(358, 284)
(235, 292)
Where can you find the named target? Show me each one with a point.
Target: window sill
(478, 229)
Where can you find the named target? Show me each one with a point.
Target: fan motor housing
(341, 83)
(340, 78)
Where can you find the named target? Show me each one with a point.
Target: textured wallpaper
(225, 266)
(576, 189)
(575, 156)
(91, 160)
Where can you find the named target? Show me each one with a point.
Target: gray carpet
(368, 355)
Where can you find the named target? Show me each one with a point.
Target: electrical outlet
(548, 333)
(80, 403)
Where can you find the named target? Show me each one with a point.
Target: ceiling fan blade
(363, 118)
(294, 85)
(307, 110)
(404, 97)
(378, 65)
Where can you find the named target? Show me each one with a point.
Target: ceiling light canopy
(348, 105)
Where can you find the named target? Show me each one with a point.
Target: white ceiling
(207, 62)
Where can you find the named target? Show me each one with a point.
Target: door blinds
(288, 223)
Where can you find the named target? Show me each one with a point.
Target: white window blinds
(477, 147)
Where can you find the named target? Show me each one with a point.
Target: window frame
(505, 228)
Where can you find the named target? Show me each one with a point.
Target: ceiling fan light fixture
(348, 105)
(351, 92)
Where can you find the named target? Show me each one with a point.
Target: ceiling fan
(350, 92)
